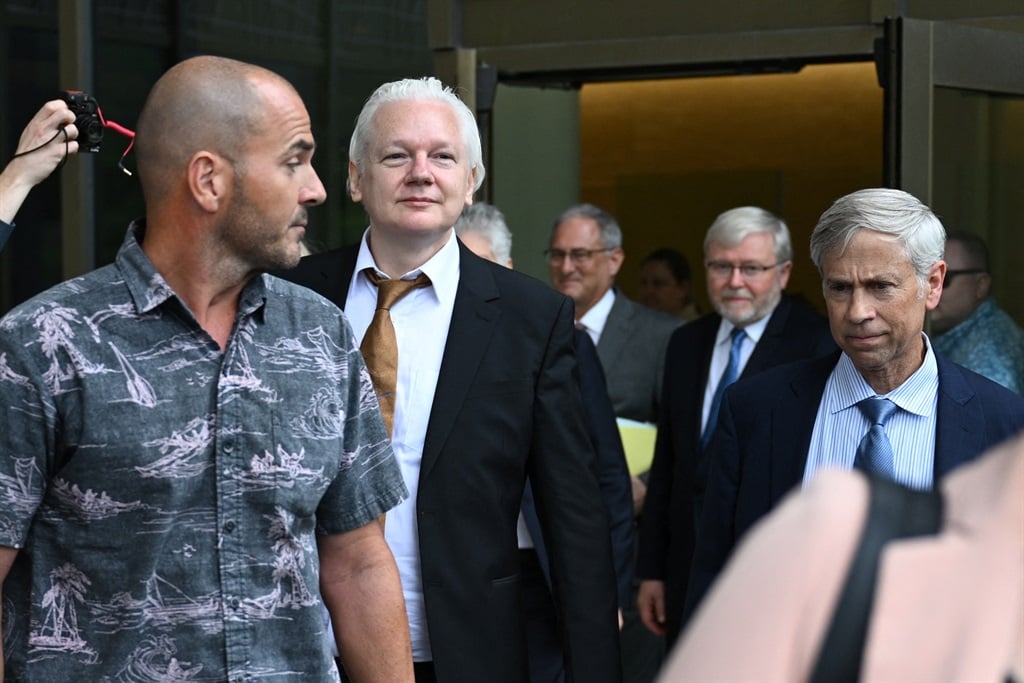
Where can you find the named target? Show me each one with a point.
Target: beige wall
(666, 157)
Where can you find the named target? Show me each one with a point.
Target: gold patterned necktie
(380, 346)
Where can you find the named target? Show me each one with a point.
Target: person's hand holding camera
(45, 142)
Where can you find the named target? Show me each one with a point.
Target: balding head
(203, 103)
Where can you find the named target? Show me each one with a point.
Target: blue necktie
(874, 454)
(732, 371)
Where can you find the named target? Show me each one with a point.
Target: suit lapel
(793, 418)
(774, 334)
(473, 322)
(348, 266)
(704, 348)
(615, 334)
(957, 420)
(335, 271)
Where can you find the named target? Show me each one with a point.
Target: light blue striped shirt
(840, 425)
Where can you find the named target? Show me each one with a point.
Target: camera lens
(92, 132)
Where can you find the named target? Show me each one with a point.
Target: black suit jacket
(5, 232)
(507, 405)
(759, 449)
(611, 470)
(679, 470)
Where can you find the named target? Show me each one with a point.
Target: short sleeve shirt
(988, 342)
(166, 495)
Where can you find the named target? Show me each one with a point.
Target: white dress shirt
(594, 320)
(421, 321)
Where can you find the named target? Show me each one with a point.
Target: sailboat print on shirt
(59, 630)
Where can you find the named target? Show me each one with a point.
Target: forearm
(367, 610)
(47, 139)
(13, 190)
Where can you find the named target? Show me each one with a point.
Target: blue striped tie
(732, 371)
(874, 454)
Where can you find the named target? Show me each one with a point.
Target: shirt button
(229, 527)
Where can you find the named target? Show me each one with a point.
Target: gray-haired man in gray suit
(584, 255)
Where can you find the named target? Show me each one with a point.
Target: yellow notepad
(638, 442)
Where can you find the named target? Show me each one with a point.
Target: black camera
(87, 119)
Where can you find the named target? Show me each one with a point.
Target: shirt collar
(596, 318)
(916, 395)
(754, 330)
(147, 286)
(442, 268)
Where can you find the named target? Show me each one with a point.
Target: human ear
(933, 283)
(209, 178)
(355, 189)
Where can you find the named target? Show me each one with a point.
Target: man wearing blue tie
(886, 403)
(748, 256)
(732, 369)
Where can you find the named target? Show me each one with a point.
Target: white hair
(427, 89)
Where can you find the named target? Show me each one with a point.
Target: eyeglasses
(950, 274)
(749, 271)
(578, 256)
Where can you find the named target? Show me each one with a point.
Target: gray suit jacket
(632, 351)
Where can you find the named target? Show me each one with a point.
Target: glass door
(954, 123)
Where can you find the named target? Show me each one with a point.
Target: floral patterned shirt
(166, 495)
(989, 343)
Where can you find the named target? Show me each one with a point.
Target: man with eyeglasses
(748, 259)
(584, 255)
(969, 328)
(886, 405)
